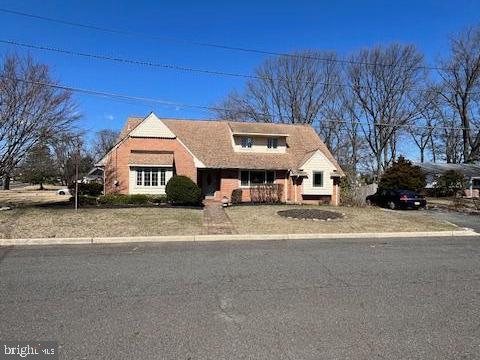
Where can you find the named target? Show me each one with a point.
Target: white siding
(259, 144)
(153, 127)
(149, 190)
(318, 162)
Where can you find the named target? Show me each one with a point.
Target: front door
(210, 183)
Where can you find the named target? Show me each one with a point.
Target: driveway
(369, 299)
(462, 220)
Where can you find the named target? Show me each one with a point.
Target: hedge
(134, 199)
(91, 189)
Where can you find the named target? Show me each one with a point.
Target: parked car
(63, 191)
(397, 199)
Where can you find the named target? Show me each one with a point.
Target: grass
(31, 196)
(37, 222)
(264, 219)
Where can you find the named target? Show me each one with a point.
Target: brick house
(221, 156)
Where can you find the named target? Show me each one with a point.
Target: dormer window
(246, 142)
(272, 143)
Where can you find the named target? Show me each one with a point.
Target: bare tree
(285, 89)
(448, 135)
(461, 88)
(68, 149)
(423, 128)
(30, 112)
(383, 81)
(103, 142)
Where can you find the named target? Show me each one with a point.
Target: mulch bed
(310, 214)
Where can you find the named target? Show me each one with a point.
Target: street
(365, 299)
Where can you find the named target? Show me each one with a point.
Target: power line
(125, 60)
(206, 44)
(177, 67)
(118, 96)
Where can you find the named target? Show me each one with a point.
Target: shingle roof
(257, 128)
(470, 170)
(132, 123)
(210, 142)
(150, 158)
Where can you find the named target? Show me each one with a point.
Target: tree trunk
(379, 165)
(422, 155)
(41, 186)
(6, 182)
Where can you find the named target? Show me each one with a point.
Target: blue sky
(343, 26)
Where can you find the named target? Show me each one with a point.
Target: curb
(235, 237)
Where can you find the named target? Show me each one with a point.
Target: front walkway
(215, 220)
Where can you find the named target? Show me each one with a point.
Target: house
(471, 172)
(221, 156)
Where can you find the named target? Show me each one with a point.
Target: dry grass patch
(265, 220)
(31, 196)
(31, 222)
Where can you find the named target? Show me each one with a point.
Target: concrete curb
(236, 237)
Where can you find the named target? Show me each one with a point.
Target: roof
(150, 158)
(132, 123)
(469, 170)
(257, 129)
(210, 142)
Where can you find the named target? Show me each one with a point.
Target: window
(151, 176)
(272, 143)
(154, 177)
(162, 177)
(244, 178)
(256, 177)
(146, 177)
(270, 177)
(247, 142)
(318, 178)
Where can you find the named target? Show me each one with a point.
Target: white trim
(152, 127)
(313, 154)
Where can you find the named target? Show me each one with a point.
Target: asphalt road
(394, 299)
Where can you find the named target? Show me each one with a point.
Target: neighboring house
(221, 156)
(471, 172)
(94, 175)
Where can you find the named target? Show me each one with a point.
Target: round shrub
(181, 190)
(236, 196)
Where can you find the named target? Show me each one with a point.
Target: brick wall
(229, 181)
(117, 167)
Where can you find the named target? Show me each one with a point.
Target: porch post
(286, 186)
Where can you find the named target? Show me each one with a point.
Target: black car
(397, 199)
